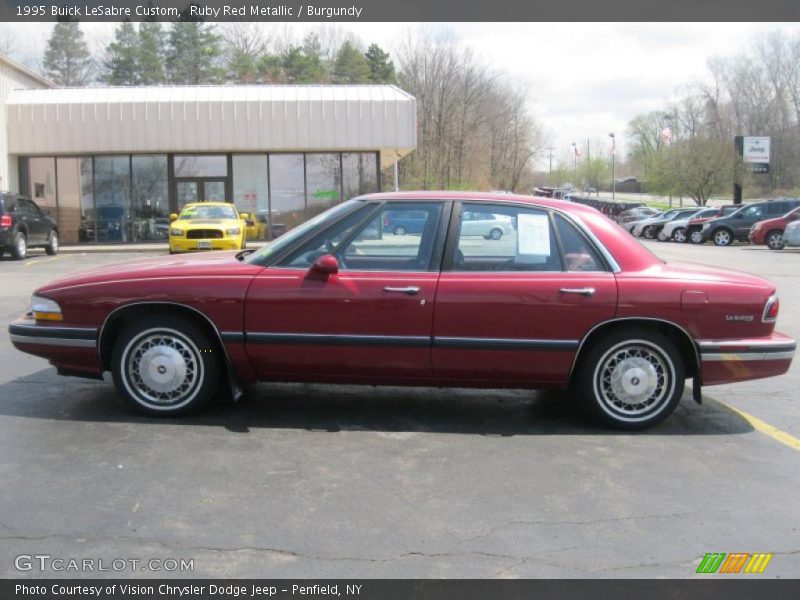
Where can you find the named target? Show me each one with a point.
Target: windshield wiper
(242, 253)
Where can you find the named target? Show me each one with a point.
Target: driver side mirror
(173, 217)
(244, 216)
(322, 268)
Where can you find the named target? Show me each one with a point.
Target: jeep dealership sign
(755, 152)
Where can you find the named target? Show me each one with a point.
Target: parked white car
(791, 235)
(489, 226)
(676, 230)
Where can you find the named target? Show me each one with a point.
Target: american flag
(666, 135)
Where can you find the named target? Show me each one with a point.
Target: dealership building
(111, 164)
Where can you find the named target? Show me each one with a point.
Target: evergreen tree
(381, 69)
(193, 54)
(67, 60)
(150, 62)
(350, 66)
(302, 65)
(121, 62)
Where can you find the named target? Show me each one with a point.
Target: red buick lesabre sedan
(562, 298)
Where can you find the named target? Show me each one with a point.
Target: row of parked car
(775, 223)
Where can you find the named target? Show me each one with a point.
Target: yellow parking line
(35, 261)
(767, 429)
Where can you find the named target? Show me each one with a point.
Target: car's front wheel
(696, 236)
(52, 243)
(495, 234)
(631, 379)
(679, 235)
(649, 233)
(165, 366)
(723, 237)
(774, 240)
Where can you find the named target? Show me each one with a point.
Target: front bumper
(184, 245)
(70, 349)
(726, 361)
(755, 237)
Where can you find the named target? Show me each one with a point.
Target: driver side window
(399, 237)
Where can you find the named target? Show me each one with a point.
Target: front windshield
(288, 238)
(191, 213)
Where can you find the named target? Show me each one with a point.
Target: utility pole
(613, 166)
(550, 154)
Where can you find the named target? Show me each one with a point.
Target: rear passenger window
(778, 208)
(505, 238)
(578, 252)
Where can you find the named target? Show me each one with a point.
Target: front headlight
(757, 226)
(176, 232)
(44, 309)
(233, 231)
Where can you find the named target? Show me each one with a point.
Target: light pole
(667, 118)
(575, 158)
(550, 156)
(613, 166)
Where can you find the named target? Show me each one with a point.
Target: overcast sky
(585, 79)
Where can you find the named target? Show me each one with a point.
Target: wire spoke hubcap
(633, 379)
(163, 368)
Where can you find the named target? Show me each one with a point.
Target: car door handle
(411, 290)
(587, 291)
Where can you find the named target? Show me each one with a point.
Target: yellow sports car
(207, 226)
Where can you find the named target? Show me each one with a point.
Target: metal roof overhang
(197, 119)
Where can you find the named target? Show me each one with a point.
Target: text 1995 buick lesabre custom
(564, 298)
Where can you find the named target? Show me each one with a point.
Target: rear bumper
(68, 348)
(726, 361)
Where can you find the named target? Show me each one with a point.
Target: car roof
(555, 203)
(192, 204)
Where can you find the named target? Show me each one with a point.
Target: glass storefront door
(199, 190)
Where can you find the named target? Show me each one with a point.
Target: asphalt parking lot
(323, 481)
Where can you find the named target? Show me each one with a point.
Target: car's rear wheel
(631, 379)
(165, 366)
(696, 236)
(495, 234)
(399, 230)
(723, 237)
(19, 246)
(649, 233)
(679, 235)
(774, 240)
(52, 243)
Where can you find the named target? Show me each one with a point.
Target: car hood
(183, 265)
(695, 272)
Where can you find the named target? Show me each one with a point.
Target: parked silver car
(791, 235)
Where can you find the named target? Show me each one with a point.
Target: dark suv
(23, 225)
(736, 226)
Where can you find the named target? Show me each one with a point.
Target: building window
(112, 182)
(251, 192)
(287, 192)
(150, 198)
(360, 173)
(42, 182)
(75, 200)
(200, 165)
(323, 183)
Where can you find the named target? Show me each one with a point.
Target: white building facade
(111, 164)
(13, 76)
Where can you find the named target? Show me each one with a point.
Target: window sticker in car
(533, 234)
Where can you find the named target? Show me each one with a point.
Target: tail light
(5, 221)
(771, 309)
